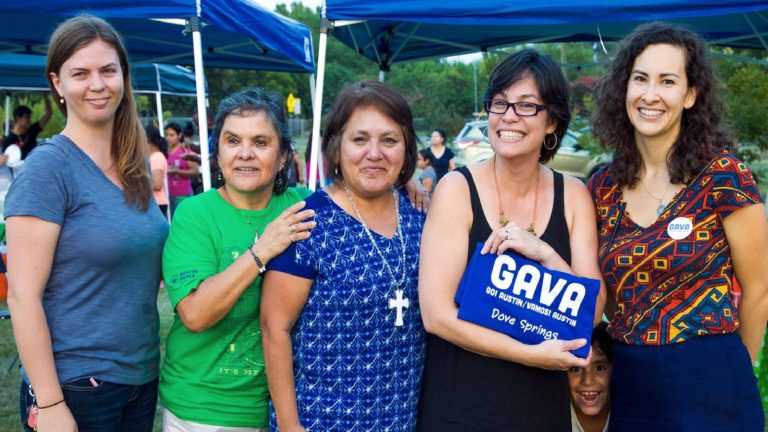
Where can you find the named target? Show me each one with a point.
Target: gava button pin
(680, 228)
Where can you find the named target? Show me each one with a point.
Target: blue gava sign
(531, 303)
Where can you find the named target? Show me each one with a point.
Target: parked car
(471, 147)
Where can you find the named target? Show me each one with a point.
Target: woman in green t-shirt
(219, 243)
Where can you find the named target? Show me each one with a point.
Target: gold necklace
(502, 217)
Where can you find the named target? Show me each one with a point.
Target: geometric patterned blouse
(354, 369)
(673, 280)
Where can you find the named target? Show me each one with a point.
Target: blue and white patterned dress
(354, 369)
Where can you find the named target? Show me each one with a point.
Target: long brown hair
(129, 144)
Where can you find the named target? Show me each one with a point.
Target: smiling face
(658, 92)
(511, 135)
(590, 386)
(249, 154)
(91, 83)
(372, 152)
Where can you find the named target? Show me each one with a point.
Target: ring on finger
(291, 237)
(292, 229)
(506, 234)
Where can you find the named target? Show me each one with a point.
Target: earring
(61, 100)
(553, 146)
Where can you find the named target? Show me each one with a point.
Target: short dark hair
(427, 155)
(21, 111)
(154, 138)
(601, 340)
(550, 81)
(701, 132)
(175, 126)
(384, 98)
(251, 100)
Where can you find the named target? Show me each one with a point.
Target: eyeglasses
(523, 109)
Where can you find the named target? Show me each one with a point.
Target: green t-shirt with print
(216, 377)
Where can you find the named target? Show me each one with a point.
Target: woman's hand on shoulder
(418, 195)
(292, 225)
(554, 354)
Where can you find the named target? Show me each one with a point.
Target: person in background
(441, 154)
(295, 170)
(181, 169)
(158, 164)
(476, 378)
(679, 218)
(24, 132)
(343, 339)
(590, 386)
(428, 176)
(84, 248)
(213, 373)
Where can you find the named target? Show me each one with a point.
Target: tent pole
(7, 113)
(159, 104)
(317, 108)
(381, 75)
(194, 25)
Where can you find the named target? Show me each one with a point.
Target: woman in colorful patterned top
(678, 219)
(344, 303)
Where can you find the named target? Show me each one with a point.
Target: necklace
(502, 217)
(399, 302)
(660, 207)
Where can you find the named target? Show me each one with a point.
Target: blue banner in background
(523, 299)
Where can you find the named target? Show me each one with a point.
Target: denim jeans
(106, 407)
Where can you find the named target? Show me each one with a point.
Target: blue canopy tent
(238, 34)
(26, 72)
(390, 31)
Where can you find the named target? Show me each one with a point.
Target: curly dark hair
(702, 135)
(601, 340)
(550, 81)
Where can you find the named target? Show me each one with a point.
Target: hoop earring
(484, 133)
(553, 146)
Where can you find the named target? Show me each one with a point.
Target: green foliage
(747, 103)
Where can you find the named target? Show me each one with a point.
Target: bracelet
(51, 405)
(260, 264)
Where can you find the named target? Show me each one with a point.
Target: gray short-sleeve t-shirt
(100, 300)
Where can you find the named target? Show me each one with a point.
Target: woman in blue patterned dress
(678, 219)
(342, 333)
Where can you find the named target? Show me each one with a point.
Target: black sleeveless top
(463, 391)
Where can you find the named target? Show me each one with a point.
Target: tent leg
(201, 108)
(7, 113)
(318, 103)
(159, 104)
(381, 75)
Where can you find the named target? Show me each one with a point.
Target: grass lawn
(9, 379)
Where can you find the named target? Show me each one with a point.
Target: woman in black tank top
(476, 379)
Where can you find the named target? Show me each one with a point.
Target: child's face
(421, 162)
(590, 386)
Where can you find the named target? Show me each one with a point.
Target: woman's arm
(443, 260)
(214, 297)
(747, 233)
(451, 165)
(190, 172)
(158, 180)
(283, 297)
(31, 245)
